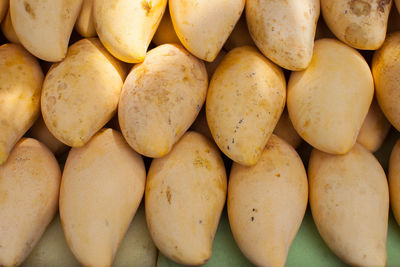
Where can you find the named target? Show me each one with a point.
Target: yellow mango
(349, 201)
(185, 195)
(204, 26)
(8, 30)
(102, 186)
(85, 22)
(80, 94)
(245, 99)
(359, 23)
(126, 27)
(29, 186)
(284, 31)
(161, 98)
(328, 101)
(267, 202)
(21, 79)
(165, 33)
(44, 27)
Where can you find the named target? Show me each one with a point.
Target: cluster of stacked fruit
(92, 121)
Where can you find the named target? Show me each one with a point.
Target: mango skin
(126, 27)
(185, 195)
(84, 24)
(358, 23)
(245, 99)
(21, 78)
(44, 27)
(337, 84)
(3, 8)
(80, 94)
(285, 130)
(218, 18)
(267, 202)
(161, 98)
(284, 31)
(102, 186)
(374, 129)
(29, 186)
(349, 199)
(386, 69)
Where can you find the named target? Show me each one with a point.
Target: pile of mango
(185, 105)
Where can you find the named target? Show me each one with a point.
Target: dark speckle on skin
(227, 147)
(278, 175)
(29, 9)
(200, 221)
(198, 107)
(241, 120)
(146, 5)
(168, 193)
(252, 219)
(382, 4)
(233, 140)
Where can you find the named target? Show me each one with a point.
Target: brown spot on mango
(146, 5)
(29, 10)
(168, 193)
(360, 7)
(382, 4)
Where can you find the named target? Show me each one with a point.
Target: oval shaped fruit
(21, 81)
(161, 98)
(102, 186)
(359, 23)
(165, 33)
(386, 69)
(267, 202)
(285, 130)
(85, 22)
(29, 186)
(8, 29)
(205, 39)
(185, 195)
(394, 181)
(81, 93)
(284, 31)
(374, 129)
(239, 36)
(349, 202)
(336, 85)
(40, 132)
(244, 102)
(126, 27)
(44, 27)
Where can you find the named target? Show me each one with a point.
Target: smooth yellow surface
(85, 22)
(80, 94)
(284, 31)
(29, 186)
(386, 71)
(8, 29)
(328, 101)
(204, 26)
(21, 81)
(44, 27)
(360, 24)
(349, 200)
(185, 195)
(374, 129)
(102, 186)
(245, 99)
(267, 202)
(126, 27)
(161, 98)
